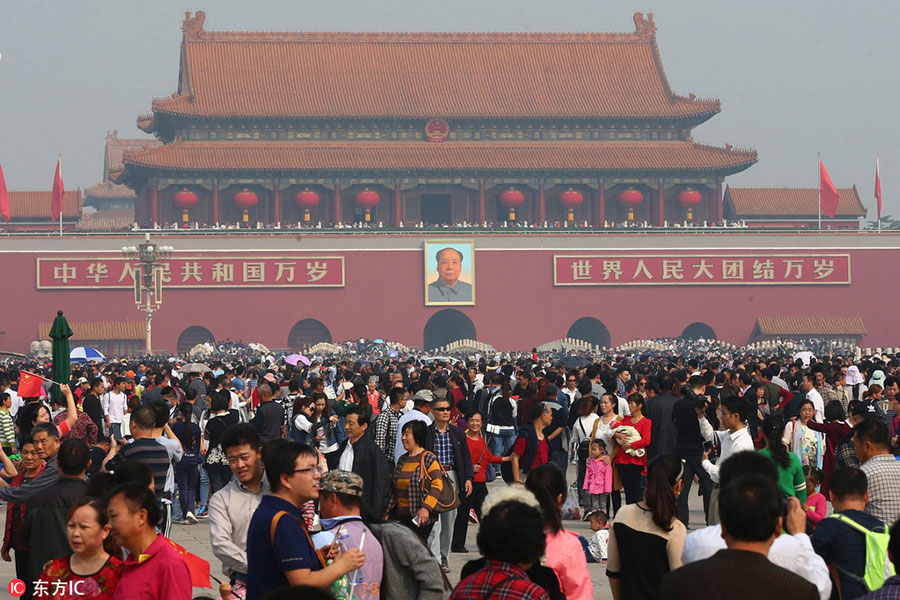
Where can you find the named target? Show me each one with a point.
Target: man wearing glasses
(280, 551)
(452, 451)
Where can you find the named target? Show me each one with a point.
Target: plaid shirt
(498, 581)
(844, 456)
(889, 591)
(386, 431)
(883, 471)
(443, 449)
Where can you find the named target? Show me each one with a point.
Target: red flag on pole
(4, 199)
(56, 199)
(877, 189)
(828, 194)
(29, 385)
(198, 568)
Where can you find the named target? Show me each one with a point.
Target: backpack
(584, 446)
(878, 565)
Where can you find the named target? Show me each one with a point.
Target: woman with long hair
(187, 470)
(583, 429)
(92, 570)
(646, 538)
(219, 420)
(565, 554)
(835, 428)
(609, 417)
(632, 435)
(790, 470)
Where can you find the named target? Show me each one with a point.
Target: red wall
(517, 304)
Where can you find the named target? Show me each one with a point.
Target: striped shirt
(7, 429)
(406, 492)
(151, 453)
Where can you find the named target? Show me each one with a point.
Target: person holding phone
(687, 413)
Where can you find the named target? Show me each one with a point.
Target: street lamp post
(148, 277)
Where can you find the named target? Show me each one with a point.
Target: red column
(154, 203)
(660, 206)
(720, 203)
(215, 203)
(481, 212)
(336, 217)
(398, 206)
(601, 200)
(276, 207)
(542, 205)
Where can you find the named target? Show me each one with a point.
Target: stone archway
(698, 330)
(445, 326)
(192, 336)
(590, 330)
(306, 333)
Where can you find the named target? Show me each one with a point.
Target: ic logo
(16, 588)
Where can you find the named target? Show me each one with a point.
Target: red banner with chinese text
(705, 269)
(225, 271)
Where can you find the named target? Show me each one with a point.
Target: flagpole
(62, 200)
(878, 200)
(819, 177)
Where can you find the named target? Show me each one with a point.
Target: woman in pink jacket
(564, 554)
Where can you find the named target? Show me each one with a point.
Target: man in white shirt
(114, 404)
(231, 508)
(808, 385)
(733, 438)
(13, 396)
(793, 552)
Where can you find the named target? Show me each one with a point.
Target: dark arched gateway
(192, 336)
(698, 330)
(448, 325)
(306, 333)
(590, 330)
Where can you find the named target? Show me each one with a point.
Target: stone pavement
(195, 539)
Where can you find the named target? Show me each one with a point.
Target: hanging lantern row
(185, 200)
(306, 200)
(688, 199)
(512, 199)
(570, 200)
(245, 200)
(630, 199)
(367, 200)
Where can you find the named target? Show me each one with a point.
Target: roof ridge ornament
(644, 28)
(193, 26)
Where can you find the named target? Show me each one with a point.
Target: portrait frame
(437, 293)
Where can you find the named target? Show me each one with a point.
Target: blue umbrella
(84, 354)
(378, 341)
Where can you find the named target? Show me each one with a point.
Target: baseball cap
(81, 380)
(341, 482)
(860, 408)
(423, 396)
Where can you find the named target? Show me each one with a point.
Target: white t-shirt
(346, 461)
(17, 402)
(175, 451)
(114, 405)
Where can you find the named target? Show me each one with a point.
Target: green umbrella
(60, 333)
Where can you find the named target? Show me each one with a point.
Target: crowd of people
(359, 478)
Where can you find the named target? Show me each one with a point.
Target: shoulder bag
(448, 500)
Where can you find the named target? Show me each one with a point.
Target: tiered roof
(425, 75)
(449, 156)
(789, 202)
(112, 163)
(96, 331)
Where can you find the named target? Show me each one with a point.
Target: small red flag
(56, 199)
(29, 385)
(827, 192)
(4, 199)
(877, 189)
(198, 567)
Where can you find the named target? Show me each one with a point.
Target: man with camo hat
(340, 506)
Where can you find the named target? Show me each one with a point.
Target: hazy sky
(794, 78)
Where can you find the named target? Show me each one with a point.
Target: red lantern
(367, 199)
(688, 199)
(571, 199)
(306, 200)
(184, 200)
(245, 200)
(631, 198)
(512, 199)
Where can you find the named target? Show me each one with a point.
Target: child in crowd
(595, 549)
(598, 477)
(816, 504)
